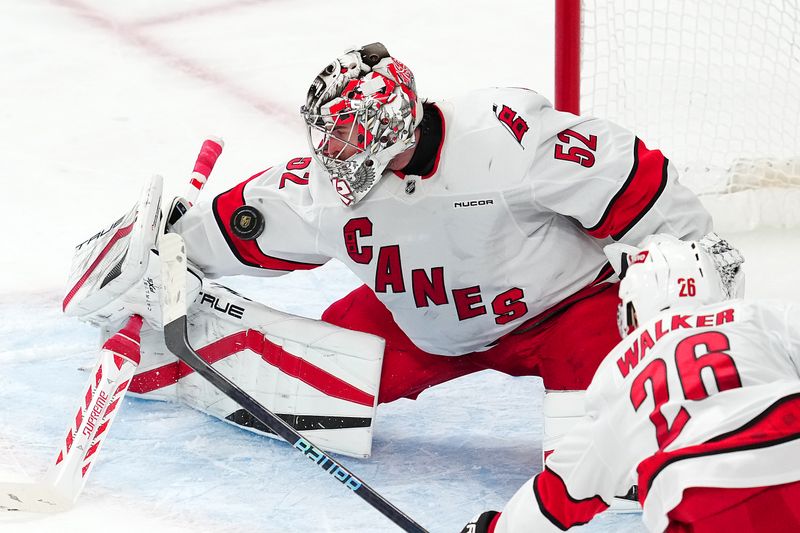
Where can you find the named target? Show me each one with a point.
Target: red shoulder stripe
(599, 285)
(248, 252)
(777, 424)
(645, 183)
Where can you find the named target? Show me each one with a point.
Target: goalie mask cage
(713, 84)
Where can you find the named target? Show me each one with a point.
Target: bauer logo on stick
(247, 223)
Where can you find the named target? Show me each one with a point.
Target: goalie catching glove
(727, 259)
(117, 272)
(321, 379)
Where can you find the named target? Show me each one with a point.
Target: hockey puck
(247, 223)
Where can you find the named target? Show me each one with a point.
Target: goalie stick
(204, 164)
(64, 480)
(173, 264)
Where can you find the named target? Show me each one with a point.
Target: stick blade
(32, 497)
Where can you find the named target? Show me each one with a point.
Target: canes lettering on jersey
(427, 288)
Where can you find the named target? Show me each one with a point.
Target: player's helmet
(366, 101)
(668, 273)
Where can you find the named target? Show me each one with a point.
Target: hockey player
(476, 225)
(701, 402)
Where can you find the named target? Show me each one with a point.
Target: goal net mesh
(715, 85)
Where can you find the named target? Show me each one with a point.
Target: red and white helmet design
(360, 112)
(667, 273)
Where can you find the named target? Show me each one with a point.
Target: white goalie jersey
(508, 224)
(709, 399)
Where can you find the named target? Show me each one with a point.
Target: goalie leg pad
(321, 379)
(159, 370)
(562, 410)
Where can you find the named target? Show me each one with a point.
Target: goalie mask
(360, 112)
(667, 273)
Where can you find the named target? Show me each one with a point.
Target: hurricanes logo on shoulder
(509, 118)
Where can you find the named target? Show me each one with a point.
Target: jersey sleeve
(578, 480)
(610, 182)
(574, 486)
(288, 242)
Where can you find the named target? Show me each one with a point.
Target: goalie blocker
(116, 272)
(321, 379)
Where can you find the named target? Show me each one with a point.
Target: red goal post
(568, 56)
(714, 84)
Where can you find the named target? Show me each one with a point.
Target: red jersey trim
(493, 524)
(599, 284)
(777, 424)
(248, 252)
(559, 507)
(645, 183)
(273, 354)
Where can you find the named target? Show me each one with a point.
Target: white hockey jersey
(508, 224)
(708, 399)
